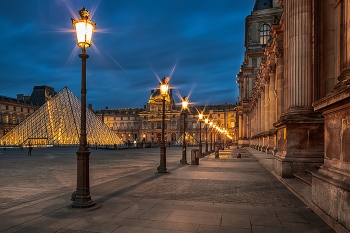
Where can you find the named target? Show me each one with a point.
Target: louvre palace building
(14, 110)
(144, 125)
(294, 98)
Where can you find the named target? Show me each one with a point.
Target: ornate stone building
(14, 110)
(295, 101)
(144, 124)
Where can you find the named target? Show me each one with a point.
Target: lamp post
(81, 197)
(184, 108)
(206, 121)
(211, 136)
(200, 117)
(164, 87)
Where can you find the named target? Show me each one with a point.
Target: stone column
(330, 185)
(266, 106)
(262, 118)
(266, 114)
(279, 83)
(345, 41)
(300, 129)
(258, 119)
(272, 107)
(262, 110)
(244, 117)
(249, 123)
(240, 126)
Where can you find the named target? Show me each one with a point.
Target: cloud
(134, 41)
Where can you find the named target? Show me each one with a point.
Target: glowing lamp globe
(84, 28)
(184, 103)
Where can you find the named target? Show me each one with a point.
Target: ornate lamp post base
(81, 197)
(183, 159)
(82, 202)
(162, 166)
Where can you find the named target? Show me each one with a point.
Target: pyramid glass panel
(190, 140)
(57, 122)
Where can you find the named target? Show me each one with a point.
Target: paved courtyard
(219, 195)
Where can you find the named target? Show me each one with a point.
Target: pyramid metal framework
(190, 140)
(57, 122)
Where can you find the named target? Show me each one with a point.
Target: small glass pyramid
(190, 140)
(57, 122)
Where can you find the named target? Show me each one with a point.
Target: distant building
(145, 124)
(41, 94)
(14, 110)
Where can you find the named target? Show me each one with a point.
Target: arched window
(264, 33)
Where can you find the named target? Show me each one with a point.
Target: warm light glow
(206, 120)
(211, 123)
(200, 116)
(56, 124)
(84, 31)
(184, 103)
(164, 86)
(164, 89)
(84, 28)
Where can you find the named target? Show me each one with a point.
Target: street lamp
(184, 108)
(206, 121)
(211, 136)
(81, 198)
(164, 87)
(200, 117)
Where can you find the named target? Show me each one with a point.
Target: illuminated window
(264, 33)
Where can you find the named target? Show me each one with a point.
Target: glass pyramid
(57, 122)
(190, 140)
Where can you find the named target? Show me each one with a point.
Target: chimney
(20, 96)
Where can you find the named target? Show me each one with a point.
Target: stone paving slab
(219, 195)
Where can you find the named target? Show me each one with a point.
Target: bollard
(217, 152)
(239, 155)
(193, 157)
(196, 157)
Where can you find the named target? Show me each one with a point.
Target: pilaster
(299, 129)
(331, 184)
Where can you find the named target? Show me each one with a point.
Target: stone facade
(143, 125)
(14, 110)
(298, 105)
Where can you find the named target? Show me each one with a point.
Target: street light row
(164, 91)
(81, 198)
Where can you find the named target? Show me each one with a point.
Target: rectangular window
(254, 62)
(14, 108)
(21, 109)
(7, 107)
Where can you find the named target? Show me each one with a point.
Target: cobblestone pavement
(226, 194)
(53, 171)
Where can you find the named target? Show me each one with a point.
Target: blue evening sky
(200, 42)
